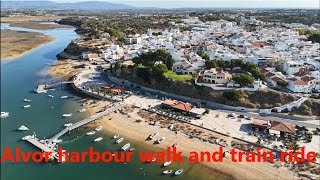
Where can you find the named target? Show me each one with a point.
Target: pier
(41, 88)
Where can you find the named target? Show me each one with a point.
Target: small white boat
(125, 147)
(67, 115)
(64, 97)
(116, 136)
(153, 159)
(98, 139)
(99, 128)
(57, 140)
(4, 114)
(68, 125)
(91, 133)
(50, 96)
(119, 140)
(23, 128)
(27, 106)
(167, 172)
(178, 172)
(167, 163)
(27, 137)
(160, 140)
(82, 110)
(26, 100)
(153, 135)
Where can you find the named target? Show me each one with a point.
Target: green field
(172, 75)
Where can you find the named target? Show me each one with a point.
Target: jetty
(41, 88)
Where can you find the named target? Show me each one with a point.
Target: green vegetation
(282, 83)
(313, 36)
(232, 95)
(150, 58)
(243, 79)
(308, 108)
(178, 77)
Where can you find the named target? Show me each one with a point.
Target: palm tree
(295, 146)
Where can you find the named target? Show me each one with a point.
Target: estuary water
(18, 79)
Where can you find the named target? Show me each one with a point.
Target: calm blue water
(18, 78)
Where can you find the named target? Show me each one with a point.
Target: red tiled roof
(283, 127)
(169, 102)
(276, 79)
(182, 106)
(299, 83)
(307, 78)
(259, 122)
(93, 55)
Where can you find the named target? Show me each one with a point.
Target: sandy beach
(65, 69)
(133, 127)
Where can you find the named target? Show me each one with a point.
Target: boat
(132, 149)
(99, 128)
(82, 110)
(91, 133)
(26, 100)
(116, 136)
(98, 139)
(27, 137)
(23, 128)
(27, 106)
(50, 96)
(4, 114)
(153, 135)
(178, 172)
(125, 147)
(167, 163)
(57, 140)
(175, 145)
(160, 140)
(63, 156)
(153, 159)
(67, 115)
(119, 140)
(167, 172)
(68, 125)
(64, 97)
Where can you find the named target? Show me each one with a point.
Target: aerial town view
(159, 89)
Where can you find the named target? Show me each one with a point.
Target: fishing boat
(125, 147)
(98, 139)
(66, 115)
(26, 100)
(50, 96)
(68, 125)
(57, 140)
(64, 97)
(175, 145)
(91, 133)
(119, 140)
(153, 135)
(116, 136)
(178, 172)
(160, 140)
(82, 110)
(167, 163)
(23, 128)
(99, 128)
(4, 114)
(167, 172)
(27, 106)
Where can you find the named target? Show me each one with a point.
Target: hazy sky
(215, 3)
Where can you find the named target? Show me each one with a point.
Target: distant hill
(45, 5)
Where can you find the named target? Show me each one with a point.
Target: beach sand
(127, 127)
(65, 69)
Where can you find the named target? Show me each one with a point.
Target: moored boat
(99, 128)
(64, 97)
(27, 106)
(50, 96)
(132, 149)
(125, 147)
(91, 133)
(27, 137)
(175, 145)
(98, 139)
(160, 140)
(26, 100)
(57, 141)
(68, 125)
(167, 172)
(119, 140)
(23, 128)
(66, 115)
(4, 114)
(82, 110)
(178, 172)
(116, 136)
(151, 136)
(167, 163)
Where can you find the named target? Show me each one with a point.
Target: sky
(214, 3)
